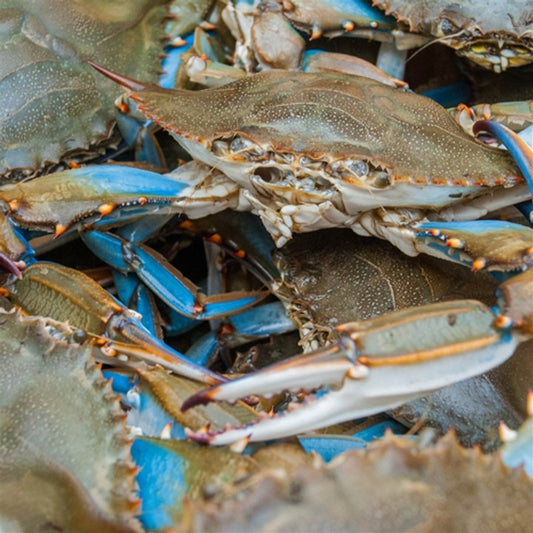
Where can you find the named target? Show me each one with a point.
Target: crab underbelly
(289, 185)
(357, 199)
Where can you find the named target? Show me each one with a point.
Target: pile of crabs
(285, 285)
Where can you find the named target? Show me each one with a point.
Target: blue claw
(144, 343)
(165, 280)
(494, 245)
(133, 292)
(519, 149)
(136, 296)
(402, 364)
(62, 293)
(138, 133)
(119, 179)
(102, 194)
(247, 326)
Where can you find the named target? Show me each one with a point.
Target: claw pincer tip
(200, 398)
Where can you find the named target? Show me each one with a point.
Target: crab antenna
(125, 81)
(433, 41)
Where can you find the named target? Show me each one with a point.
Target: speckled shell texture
(53, 103)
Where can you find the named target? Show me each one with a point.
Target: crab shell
(494, 36)
(299, 138)
(54, 108)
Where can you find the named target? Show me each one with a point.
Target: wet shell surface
(53, 104)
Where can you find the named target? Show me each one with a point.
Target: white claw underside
(385, 387)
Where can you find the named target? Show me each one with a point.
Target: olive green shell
(495, 35)
(64, 448)
(393, 485)
(53, 104)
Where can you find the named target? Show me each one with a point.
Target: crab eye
(220, 147)
(446, 27)
(239, 143)
(79, 336)
(357, 166)
(382, 180)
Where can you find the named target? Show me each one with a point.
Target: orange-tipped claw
(376, 365)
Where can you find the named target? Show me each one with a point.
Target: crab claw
(518, 148)
(378, 364)
(493, 245)
(8, 265)
(326, 366)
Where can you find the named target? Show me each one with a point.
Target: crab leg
(519, 149)
(378, 364)
(138, 133)
(106, 195)
(250, 325)
(105, 192)
(495, 245)
(166, 281)
(316, 17)
(130, 290)
(65, 294)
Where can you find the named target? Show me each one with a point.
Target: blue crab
(65, 449)
(376, 279)
(496, 39)
(309, 151)
(304, 187)
(57, 202)
(61, 470)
